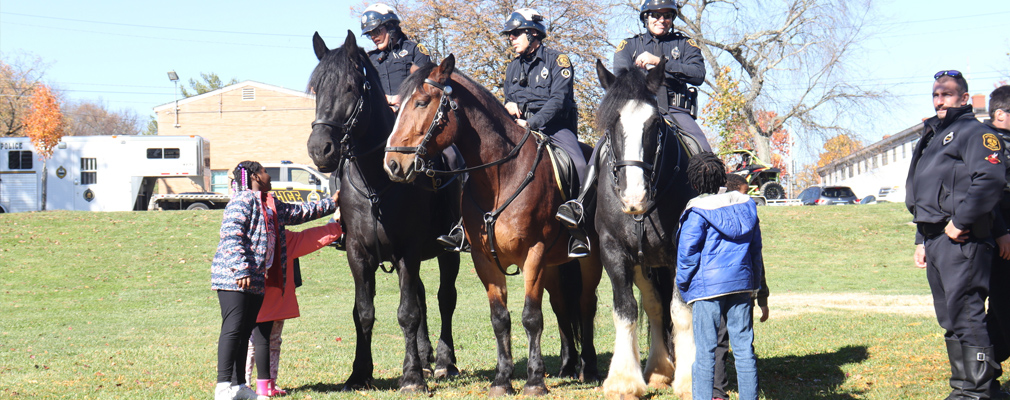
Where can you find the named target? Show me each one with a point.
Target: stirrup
(578, 249)
(455, 240)
(570, 213)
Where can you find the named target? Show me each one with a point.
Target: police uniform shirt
(957, 172)
(541, 85)
(685, 64)
(394, 64)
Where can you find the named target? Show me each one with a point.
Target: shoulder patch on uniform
(991, 142)
(692, 42)
(993, 158)
(620, 46)
(563, 61)
(567, 73)
(948, 138)
(422, 49)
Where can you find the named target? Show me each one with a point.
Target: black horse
(642, 191)
(385, 221)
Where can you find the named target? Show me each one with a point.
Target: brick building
(244, 121)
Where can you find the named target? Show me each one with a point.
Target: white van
(294, 183)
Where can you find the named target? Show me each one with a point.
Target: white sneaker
(224, 391)
(244, 392)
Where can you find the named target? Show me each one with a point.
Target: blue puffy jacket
(719, 250)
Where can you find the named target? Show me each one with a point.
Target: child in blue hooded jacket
(719, 269)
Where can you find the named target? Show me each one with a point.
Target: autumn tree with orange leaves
(724, 116)
(44, 126)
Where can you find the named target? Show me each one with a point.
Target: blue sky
(119, 52)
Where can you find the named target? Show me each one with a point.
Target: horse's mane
(333, 68)
(629, 85)
(416, 79)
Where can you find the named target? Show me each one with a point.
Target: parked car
(827, 195)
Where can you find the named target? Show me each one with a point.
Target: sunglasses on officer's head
(951, 73)
(660, 15)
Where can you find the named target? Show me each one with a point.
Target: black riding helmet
(656, 5)
(375, 16)
(525, 18)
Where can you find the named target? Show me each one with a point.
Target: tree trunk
(761, 145)
(45, 178)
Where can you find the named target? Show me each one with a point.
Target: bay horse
(508, 210)
(384, 221)
(642, 192)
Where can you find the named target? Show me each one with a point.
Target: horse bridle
(649, 168)
(352, 119)
(441, 116)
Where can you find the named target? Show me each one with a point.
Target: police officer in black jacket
(540, 93)
(395, 55)
(998, 314)
(684, 66)
(955, 180)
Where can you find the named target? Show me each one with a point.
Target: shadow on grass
(813, 376)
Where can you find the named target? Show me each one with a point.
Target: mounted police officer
(539, 90)
(955, 180)
(395, 55)
(684, 66)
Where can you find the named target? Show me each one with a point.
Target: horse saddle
(688, 142)
(565, 174)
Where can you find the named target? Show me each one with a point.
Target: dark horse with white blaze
(385, 221)
(508, 210)
(642, 192)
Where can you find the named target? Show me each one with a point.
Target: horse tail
(570, 274)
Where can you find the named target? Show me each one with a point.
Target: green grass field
(119, 306)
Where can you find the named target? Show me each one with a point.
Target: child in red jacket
(280, 303)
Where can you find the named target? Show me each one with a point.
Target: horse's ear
(319, 46)
(445, 69)
(606, 78)
(350, 43)
(654, 80)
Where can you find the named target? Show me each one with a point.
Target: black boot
(572, 215)
(979, 369)
(956, 358)
(456, 239)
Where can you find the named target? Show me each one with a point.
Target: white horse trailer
(99, 173)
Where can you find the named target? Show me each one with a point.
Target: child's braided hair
(242, 174)
(706, 173)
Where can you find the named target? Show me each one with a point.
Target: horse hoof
(660, 382)
(538, 390)
(427, 372)
(498, 391)
(447, 372)
(414, 389)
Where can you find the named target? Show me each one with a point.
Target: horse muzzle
(399, 168)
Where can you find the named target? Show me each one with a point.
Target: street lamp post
(172, 76)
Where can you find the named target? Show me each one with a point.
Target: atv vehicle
(762, 178)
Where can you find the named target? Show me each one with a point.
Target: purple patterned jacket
(243, 245)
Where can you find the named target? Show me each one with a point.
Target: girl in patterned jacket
(251, 247)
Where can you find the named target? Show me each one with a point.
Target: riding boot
(456, 239)
(956, 358)
(571, 214)
(979, 369)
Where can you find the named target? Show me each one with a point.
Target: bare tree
(87, 118)
(470, 29)
(19, 74)
(790, 57)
